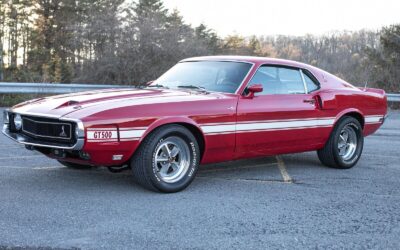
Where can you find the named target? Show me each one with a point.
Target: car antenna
(365, 86)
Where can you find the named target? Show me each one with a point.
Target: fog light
(18, 122)
(59, 153)
(84, 155)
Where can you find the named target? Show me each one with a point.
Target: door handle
(310, 101)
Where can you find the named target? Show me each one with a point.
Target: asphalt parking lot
(289, 201)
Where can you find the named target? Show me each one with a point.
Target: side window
(310, 82)
(292, 79)
(278, 80)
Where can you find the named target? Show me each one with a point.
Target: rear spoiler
(373, 90)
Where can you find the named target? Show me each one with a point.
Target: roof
(249, 59)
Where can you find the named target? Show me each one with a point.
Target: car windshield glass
(205, 75)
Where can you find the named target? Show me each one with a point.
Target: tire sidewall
(360, 142)
(163, 134)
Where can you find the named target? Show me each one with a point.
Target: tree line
(126, 42)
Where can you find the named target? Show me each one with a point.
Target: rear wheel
(74, 165)
(167, 160)
(345, 144)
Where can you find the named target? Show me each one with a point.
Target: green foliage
(386, 59)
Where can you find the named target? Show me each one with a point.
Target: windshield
(205, 75)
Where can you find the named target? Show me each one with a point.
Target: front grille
(48, 129)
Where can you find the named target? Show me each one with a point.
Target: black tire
(330, 156)
(74, 165)
(145, 169)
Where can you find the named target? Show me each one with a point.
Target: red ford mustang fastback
(203, 110)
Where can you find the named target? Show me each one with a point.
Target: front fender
(170, 120)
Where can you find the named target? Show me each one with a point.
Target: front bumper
(25, 140)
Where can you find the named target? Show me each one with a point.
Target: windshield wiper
(157, 86)
(193, 87)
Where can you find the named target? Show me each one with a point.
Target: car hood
(79, 105)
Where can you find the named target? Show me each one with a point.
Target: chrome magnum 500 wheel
(172, 159)
(167, 160)
(345, 144)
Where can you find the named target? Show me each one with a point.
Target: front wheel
(167, 160)
(345, 144)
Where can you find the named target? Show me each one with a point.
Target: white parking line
(14, 167)
(382, 156)
(282, 167)
(33, 168)
(48, 168)
(11, 147)
(20, 157)
(239, 179)
(235, 168)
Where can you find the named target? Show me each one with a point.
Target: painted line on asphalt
(48, 168)
(20, 157)
(240, 179)
(14, 167)
(11, 147)
(383, 156)
(33, 168)
(235, 168)
(282, 167)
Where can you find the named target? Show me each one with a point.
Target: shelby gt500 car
(203, 110)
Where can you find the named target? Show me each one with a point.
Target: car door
(284, 117)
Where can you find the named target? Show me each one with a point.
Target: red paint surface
(152, 108)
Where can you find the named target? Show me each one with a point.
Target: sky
(287, 17)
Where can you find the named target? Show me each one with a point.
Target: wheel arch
(188, 123)
(355, 113)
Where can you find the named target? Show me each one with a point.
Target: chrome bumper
(25, 140)
(22, 139)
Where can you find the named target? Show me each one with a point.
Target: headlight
(5, 117)
(17, 122)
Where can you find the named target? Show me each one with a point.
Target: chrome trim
(315, 78)
(281, 65)
(28, 141)
(79, 127)
(244, 79)
(44, 136)
(304, 81)
(80, 140)
(35, 114)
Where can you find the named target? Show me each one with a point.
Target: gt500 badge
(102, 135)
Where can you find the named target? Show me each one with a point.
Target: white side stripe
(273, 125)
(126, 134)
(132, 134)
(218, 128)
(278, 125)
(284, 124)
(373, 119)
